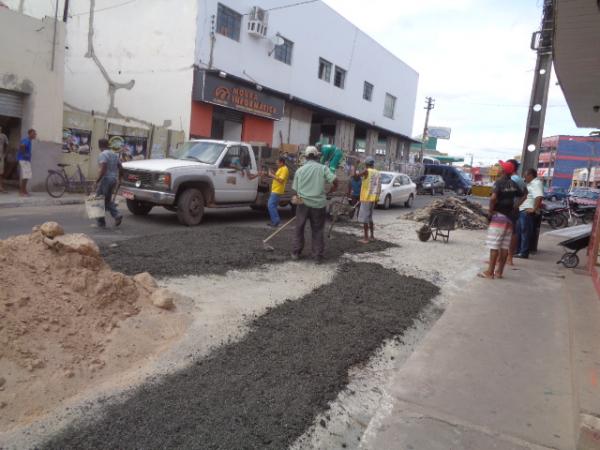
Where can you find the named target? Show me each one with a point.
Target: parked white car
(396, 188)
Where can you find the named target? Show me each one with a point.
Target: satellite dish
(277, 40)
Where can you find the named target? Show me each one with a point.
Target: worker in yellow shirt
(369, 195)
(280, 179)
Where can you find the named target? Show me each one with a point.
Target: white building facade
(336, 83)
(128, 73)
(149, 74)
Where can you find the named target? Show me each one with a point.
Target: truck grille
(134, 177)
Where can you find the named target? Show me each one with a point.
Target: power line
(292, 5)
(104, 9)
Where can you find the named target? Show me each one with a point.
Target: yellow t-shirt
(370, 186)
(284, 173)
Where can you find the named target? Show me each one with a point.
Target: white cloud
(474, 58)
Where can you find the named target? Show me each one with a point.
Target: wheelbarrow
(570, 259)
(441, 223)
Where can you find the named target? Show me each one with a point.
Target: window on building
(339, 78)
(229, 22)
(368, 91)
(283, 52)
(325, 70)
(390, 106)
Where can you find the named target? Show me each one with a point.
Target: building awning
(448, 159)
(577, 58)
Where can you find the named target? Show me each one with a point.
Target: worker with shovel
(110, 167)
(280, 179)
(309, 185)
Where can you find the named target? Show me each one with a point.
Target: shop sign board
(229, 94)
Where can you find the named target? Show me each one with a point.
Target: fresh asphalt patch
(265, 390)
(217, 250)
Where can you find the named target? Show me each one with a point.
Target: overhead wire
(103, 9)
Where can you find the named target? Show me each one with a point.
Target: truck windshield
(204, 152)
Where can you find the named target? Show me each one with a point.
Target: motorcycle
(555, 217)
(577, 213)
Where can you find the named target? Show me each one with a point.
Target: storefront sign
(229, 94)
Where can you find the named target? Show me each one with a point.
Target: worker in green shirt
(309, 185)
(331, 156)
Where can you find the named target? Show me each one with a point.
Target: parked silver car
(396, 188)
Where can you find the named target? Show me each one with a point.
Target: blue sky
(473, 57)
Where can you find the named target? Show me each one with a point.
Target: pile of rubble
(59, 302)
(469, 215)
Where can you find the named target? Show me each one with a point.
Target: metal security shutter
(11, 104)
(228, 114)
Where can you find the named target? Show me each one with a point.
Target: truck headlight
(163, 180)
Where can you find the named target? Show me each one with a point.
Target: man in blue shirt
(110, 166)
(24, 160)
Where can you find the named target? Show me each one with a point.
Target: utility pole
(66, 11)
(542, 43)
(430, 104)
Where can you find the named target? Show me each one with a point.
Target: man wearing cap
(528, 211)
(309, 185)
(502, 209)
(369, 195)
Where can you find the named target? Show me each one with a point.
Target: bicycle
(59, 182)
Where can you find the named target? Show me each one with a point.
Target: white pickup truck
(200, 174)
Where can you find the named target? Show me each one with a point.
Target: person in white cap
(309, 184)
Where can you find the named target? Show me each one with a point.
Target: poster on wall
(130, 147)
(76, 141)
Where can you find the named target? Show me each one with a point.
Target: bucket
(94, 207)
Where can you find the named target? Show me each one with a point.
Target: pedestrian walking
(369, 196)
(280, 179)
(309, 185)
(24, 161)
(108, 174)
(502, 208)
(515, 217)
(3, 155)
(528, 212)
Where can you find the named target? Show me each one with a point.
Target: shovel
(270, 248)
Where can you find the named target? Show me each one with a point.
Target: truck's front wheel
(138, 208)
(190, 207)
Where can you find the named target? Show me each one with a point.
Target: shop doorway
(227, 124)
(11, 112)
(322, 129)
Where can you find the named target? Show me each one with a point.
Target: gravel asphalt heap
(265, 390)
(217, 250)
(469, 215)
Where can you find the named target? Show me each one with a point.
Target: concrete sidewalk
(511, 364)
(11, 199)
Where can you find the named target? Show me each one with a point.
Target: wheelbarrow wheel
(424, 233)
(570, 260)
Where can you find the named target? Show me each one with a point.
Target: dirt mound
(469, 215)
(59, 302)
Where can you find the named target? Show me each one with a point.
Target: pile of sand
(59, 303)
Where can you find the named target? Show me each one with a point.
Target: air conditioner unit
(258, 22)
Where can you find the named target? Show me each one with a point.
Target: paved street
(72, 217)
